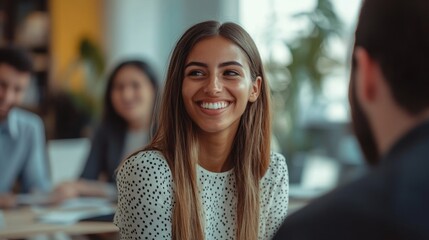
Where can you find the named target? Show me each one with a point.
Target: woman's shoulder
(150, 162)
(277, 159)
(278, 166)
(147, 158)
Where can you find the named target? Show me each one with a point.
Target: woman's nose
(127, 93)
(214, 86)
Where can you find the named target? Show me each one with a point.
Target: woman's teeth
(214, 105)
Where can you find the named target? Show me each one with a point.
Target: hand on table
(66, 190)
(7, 200)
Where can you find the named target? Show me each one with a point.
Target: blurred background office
(305, 46)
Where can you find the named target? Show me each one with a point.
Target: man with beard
(22, 139)
(389, 98)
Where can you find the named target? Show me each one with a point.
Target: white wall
(131, 30)
(149, 28)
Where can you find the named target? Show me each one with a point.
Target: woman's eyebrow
(224, 64)
(230, 63)
(200, 64)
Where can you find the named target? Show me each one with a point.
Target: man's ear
(367, 76)
(255, 90)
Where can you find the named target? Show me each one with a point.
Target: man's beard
(361, 126)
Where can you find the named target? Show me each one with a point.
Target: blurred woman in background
(131, 92)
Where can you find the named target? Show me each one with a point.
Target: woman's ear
(255, 89)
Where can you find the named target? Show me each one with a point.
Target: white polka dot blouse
(145, 201)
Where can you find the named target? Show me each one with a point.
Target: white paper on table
(2, 222)
(70, 217)
(33, 199)
(74, 210)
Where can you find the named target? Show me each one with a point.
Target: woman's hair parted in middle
(176, 137)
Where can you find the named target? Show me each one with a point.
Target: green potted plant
(311, 63)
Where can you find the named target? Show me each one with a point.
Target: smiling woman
(216, 90)
(208, 172)
(125, 127)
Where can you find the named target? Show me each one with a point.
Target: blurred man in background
(23, 163)
(389, 98)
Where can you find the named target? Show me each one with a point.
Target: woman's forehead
(215, 50)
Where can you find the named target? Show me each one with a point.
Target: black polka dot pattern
(145, 201)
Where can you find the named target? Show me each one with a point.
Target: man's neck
(389, 130)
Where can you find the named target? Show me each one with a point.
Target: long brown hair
(176, 138)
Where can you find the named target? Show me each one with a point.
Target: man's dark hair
(17, 58)
(396, 34)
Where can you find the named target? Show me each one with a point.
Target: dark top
(106, 153)
(390, 202)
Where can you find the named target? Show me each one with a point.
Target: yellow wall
(71, 20)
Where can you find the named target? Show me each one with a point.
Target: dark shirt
(105, 154)
(390, 202)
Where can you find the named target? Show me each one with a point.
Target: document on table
(2, 223)
(34, 199)
(74, 210)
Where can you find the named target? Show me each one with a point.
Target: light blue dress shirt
(23, 155)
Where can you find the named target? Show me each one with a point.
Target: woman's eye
(117, 87)
(195, 73)
(231, 73)
(135, 85)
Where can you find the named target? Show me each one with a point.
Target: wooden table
(21, 223)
